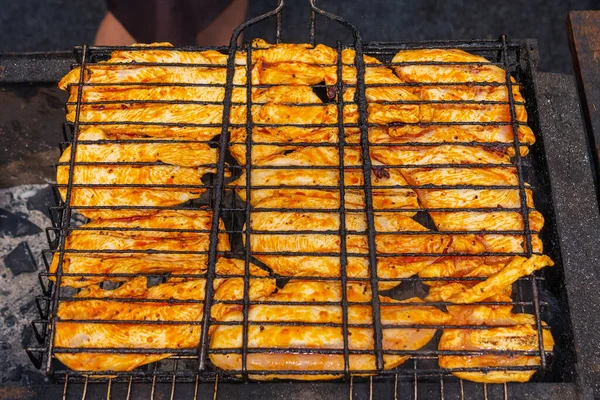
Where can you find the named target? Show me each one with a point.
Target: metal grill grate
(191, 366)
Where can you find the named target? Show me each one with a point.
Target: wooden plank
(584, 40)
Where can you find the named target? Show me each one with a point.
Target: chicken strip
(168, 242)
(480, 71)
(508, 339)
(130, 66)
(463, 293)
(123, 318)
(486, 314)
(123, 93)
(464, 199)
(108, 149)
(443, 154)
(514, 332)
(290, 239)
(291, 52)
(167, 164)
(264, 333)
(387, 183)
(500, 135)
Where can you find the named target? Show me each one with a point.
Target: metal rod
(248, 249)
(523, 198)
(342, 211)
(64, 396)
(85, 387)
(108, 388)
(66, 215)
(360, 99)
(129, 388)
(212, 252)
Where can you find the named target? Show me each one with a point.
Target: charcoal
(26, 335)
(20, 260)
(42, 200)
(29, 377)
(15, 225)
(10, 321)
(27, 306)
(15, 373)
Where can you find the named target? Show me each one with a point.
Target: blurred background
(43, 25)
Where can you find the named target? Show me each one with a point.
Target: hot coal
(42, 201)
(20, 260)
(16, 225)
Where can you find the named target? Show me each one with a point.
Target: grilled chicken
(301, 235)
(166, 242)
(297, 65)
(500, 136)
(167, 166)
(495, 284)
(293, 223)
(491, 86)
(325, 181)
(166, 316)
(513, 332)
(264, 332)
(415, 158)
(508, 339)
(124, 66)
(464, 198)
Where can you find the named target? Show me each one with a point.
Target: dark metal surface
(577, 218)
(34, 67)
(584, 30)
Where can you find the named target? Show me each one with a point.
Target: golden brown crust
(126, 250)
(177, 307)
(408, 140)
(320, 337)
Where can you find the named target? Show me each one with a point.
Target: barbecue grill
(189, 371)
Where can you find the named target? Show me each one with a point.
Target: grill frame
(245, 300)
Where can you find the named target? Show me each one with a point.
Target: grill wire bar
(203, 370)
(248, 254)
(343, 232)
(361, 100)
(65, 217)
(523, 198)
(214, 234)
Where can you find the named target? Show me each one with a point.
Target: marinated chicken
(495, 284)
(511, 340)
(169, 174)
(174, 242)
(490, 85)
(388, 191)
(137, 317)
(284, 325)
(447, 200)
(513, 334)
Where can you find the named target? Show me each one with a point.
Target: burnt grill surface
(539, 294)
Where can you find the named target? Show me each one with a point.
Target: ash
(19, 281)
